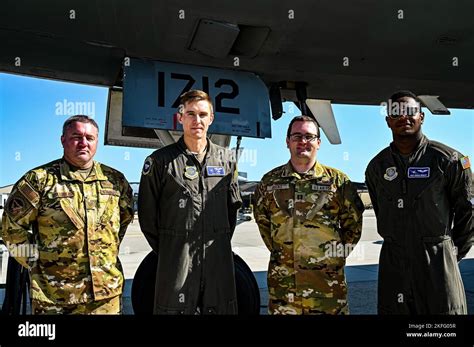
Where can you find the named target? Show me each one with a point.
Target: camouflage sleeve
(21, 210)
(460, 179)
(234, 199)
(126, 207)
(262, 215)
(350, 213)
(371, 187)
(148, 200)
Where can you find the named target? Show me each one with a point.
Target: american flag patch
(465, 162)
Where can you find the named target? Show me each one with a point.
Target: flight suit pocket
(441, 257)
(163, 310)
(232, 307)
(435, 239)
(222, 230)
(220, 192)
(220, 208)
(389, 218)
(172, 232)
(433, 187)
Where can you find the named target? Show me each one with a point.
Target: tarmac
(361, 266)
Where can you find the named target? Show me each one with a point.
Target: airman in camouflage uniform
(78, 211)
(310, 218)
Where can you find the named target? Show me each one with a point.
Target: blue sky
(30, 129)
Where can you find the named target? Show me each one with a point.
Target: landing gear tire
(143, 287)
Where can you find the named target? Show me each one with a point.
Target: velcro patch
(278, 186)
(60, 191)
(63, 194)
(109, 192)
(106, 184)
(29, 193)
(321, 187)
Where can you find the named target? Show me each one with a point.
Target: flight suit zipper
(201, 289)
(406, 217)
(405, 259)
(202, 229)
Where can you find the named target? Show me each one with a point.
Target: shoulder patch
(147, 166)
(29, 193)
(17, 206)
(465, 162)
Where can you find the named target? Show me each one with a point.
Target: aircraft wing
(344, 51)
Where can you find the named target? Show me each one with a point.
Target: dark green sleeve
(371, 187)
(234, 199)
(148, 201)
(459, 186)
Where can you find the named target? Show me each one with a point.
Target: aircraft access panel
(151, 93)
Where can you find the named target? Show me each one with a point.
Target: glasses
(306, 137)
(404, 111)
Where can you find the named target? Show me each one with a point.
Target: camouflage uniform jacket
(77, 226)
(307, 221)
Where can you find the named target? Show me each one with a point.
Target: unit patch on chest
(191, 172)
(391, 173)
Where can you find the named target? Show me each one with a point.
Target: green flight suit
(187, 211)
(425, 218)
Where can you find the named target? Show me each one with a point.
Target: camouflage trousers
(313, 306)
(107, 306)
